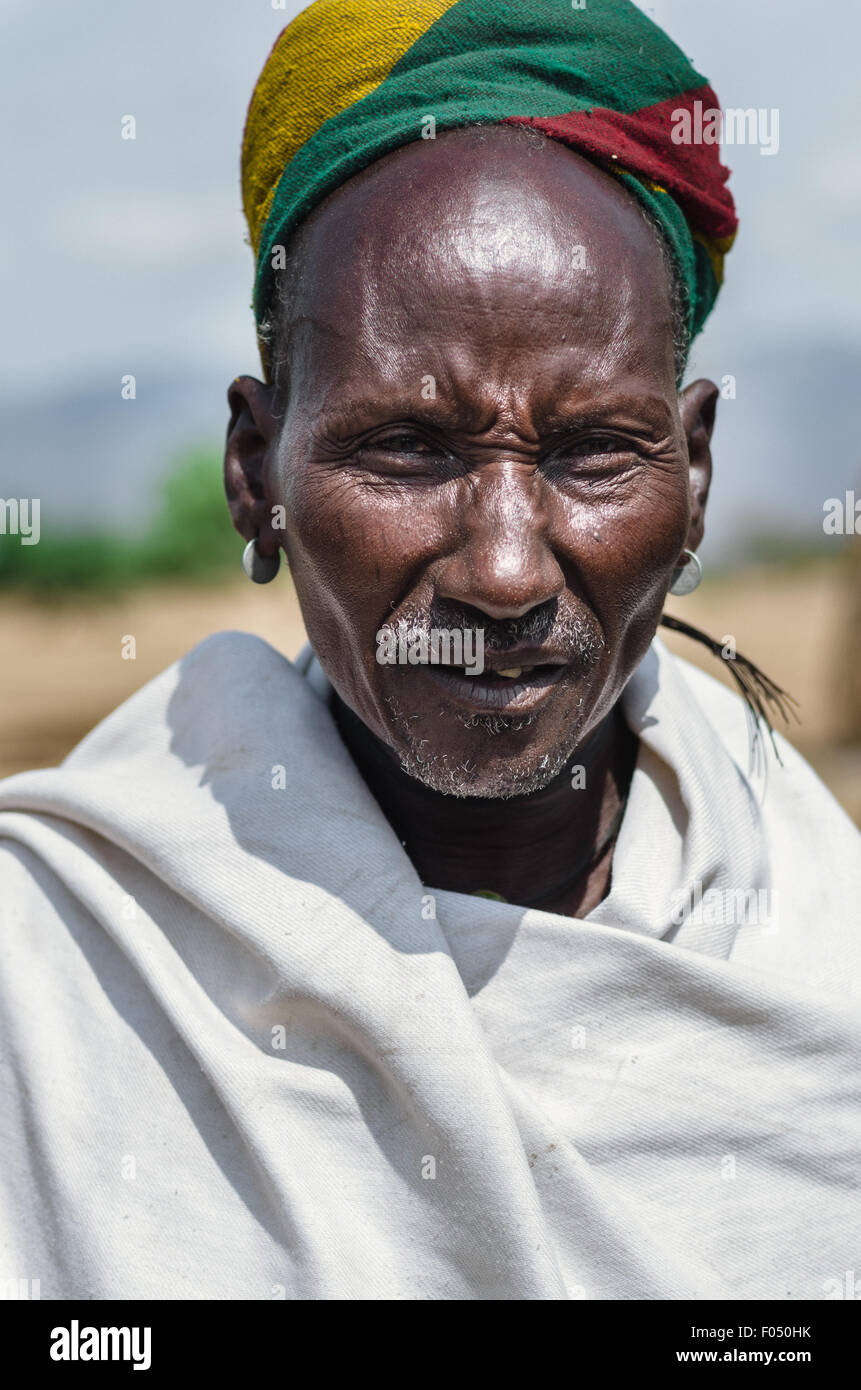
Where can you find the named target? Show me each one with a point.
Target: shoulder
(783, 778)
(217, 685)
(813, 849)
(215, 711)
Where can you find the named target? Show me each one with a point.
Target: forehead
(474, 255)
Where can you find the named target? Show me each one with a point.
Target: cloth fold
(247, 1053)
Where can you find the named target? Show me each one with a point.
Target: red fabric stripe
(641, 141)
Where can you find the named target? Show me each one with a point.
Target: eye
(400, 442)
(594, 465)
(604, 454)
(405, 453)
(599, 446)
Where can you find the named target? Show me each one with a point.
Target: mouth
(516, 689)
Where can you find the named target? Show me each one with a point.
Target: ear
(697, 405)
(252, 427)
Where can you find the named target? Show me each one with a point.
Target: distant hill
(95, 459)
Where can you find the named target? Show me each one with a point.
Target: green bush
(191, 538)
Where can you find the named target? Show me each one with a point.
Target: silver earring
(260, 568)
(688, 576)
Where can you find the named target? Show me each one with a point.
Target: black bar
(246, 1337)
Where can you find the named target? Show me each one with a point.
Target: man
(381, 976)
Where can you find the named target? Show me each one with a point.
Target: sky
(129, 256)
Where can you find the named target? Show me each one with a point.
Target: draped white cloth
(247, 1054)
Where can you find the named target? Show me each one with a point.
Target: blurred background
(127, 258)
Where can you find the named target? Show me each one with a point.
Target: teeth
(513, 672)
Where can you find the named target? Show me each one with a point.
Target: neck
(543, 849)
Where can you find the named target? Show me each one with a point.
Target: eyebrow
(355, 415)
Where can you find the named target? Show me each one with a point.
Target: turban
(350, 80)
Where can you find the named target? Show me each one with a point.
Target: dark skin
(543, 488)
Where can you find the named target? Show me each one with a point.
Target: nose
(503, 563)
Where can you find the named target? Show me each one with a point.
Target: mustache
(575, 636)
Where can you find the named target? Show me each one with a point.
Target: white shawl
(247, 1054)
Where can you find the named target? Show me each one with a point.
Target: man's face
(481, 430)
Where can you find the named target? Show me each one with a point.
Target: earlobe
(697, 406)
(250, 431)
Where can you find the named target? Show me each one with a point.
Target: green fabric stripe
(608, 54)
(691, 256)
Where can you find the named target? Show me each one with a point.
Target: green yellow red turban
(349, 80)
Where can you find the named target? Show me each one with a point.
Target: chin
(488, 756)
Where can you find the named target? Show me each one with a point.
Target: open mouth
(519, 688)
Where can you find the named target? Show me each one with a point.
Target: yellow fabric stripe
(717, 247)
(332, 55)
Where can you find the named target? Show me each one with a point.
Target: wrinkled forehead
(476, 245)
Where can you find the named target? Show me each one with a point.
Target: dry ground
(62, 667)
